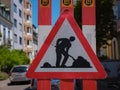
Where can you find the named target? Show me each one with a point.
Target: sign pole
(67, 84)
(44, 27)
(44, 20)
(89, 21)
(89, 85)
(43, 84)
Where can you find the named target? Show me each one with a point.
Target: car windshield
(19, 69)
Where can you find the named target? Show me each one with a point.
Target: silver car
(18, 73)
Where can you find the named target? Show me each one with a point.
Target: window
(28, 6)
(20, 40)
(15, 38)
(29, 30)
(28, 42)
(20, 1)
(15, 8)
(4, 35)
(20, 13)
(20, 26)
(35, 42)
(2, 11)
(28, 17)
(15, 22)
(7, 15)
(9, 34)
(29, 54)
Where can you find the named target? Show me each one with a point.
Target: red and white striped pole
(88, 29)
(67, 5)
(89, 21)
(44, 20)
(44, 27)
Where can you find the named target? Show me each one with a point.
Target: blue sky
(55, 11)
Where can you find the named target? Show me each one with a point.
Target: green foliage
(9, 58)
(3, 76)
(77, 12)
(104, 20)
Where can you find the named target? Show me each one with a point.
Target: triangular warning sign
(66, 54)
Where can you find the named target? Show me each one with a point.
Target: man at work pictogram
(62, 47)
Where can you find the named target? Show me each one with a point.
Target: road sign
(67, 5)
(66, 54)
(88, 3)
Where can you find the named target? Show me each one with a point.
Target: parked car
(18, 73)
(112, 68)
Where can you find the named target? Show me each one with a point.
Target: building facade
(28, 31)
(17, 17)
(5, 23)
(16, 29)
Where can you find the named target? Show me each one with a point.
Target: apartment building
(17, 17)
(28, 31)
(5, 23)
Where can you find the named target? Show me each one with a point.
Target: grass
(3, 76)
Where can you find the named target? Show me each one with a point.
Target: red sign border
(100, 74)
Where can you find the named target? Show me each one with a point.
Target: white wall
(16, 30)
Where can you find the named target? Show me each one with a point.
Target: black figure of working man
(62, 47)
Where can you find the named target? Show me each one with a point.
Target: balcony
(27, 23)
(28, 11)
(2, 5)
(27, 1)
(28, 48)
(28, 36)
(5, 16)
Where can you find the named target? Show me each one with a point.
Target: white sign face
(66, 53)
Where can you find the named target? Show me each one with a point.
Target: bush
(9, 58)
(3, 76)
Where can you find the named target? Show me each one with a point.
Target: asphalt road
(6, 85)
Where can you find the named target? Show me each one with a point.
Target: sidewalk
(4, 83)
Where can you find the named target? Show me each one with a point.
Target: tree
(104, 20)
(9, 58)
(78, 13)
